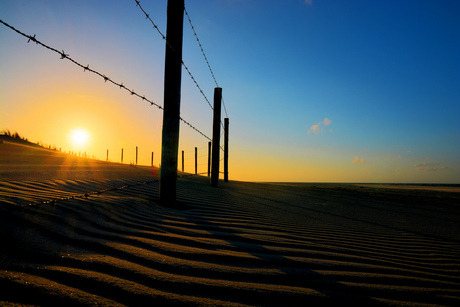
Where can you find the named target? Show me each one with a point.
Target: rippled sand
(77, 231)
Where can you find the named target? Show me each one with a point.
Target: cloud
(429, 167)
(358, 160)
(317, 129)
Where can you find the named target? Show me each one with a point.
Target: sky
(315, 91)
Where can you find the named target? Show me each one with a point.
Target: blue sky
(342, 91)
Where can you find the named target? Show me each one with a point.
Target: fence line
(86, 68)
(63, 55)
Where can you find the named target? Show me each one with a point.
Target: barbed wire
(86, 68)
(201, 47)
(147, 16)
(204, 55)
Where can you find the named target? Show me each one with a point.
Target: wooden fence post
(152, 159)
(196, 161)
(107, 155)
(136, 155)
(209, 159)
(122, 155)
(216, 137)
(171, 112)
(226, 123)
(182, 161)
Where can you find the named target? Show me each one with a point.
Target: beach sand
(78, 231)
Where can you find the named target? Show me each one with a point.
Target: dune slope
(96, 235)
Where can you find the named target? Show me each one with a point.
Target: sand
(77, 231)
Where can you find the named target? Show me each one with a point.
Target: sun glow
(79, 137)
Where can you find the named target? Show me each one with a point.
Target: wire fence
(63, 55)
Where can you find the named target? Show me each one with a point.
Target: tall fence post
(209, 159)
(136, 155)
(196, 161)
(182, 161)
(107, 155)
(122, 155)
(152, 159)
(216, 137)
(171, 113)
(226, 149)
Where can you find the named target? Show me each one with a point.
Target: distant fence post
(226, 149)
(136, 155)
(216, 137)
(196, 161)
(107, 155)
(171, 111)
(182, 161)
(152, 159)
(122, 155)
(209, 159)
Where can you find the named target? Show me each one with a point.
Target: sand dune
(77, 231)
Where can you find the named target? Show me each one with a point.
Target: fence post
(171, 112)
(122, 156)
(209, 159)
(136, 155)
(182, 161)
(152, 159)
(107, 155)
(226, 149)
(216, 137)
(196, 161)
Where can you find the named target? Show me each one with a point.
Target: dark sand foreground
(95, 235)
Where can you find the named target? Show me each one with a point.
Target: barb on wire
(201, 47)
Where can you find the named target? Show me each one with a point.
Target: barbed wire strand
(86, 68)
(201, 47)
(204, 55)
(147, 16)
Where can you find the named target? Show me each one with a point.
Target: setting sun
(79, 137)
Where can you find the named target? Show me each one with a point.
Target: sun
(79, 137)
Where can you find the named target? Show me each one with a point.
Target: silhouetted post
(216, 137)
(107, 155)
(122, 155)
(171, 113)
(136, 155)
(152, 159)
(196, 161)
(226, 149)
(182, 161)
(209, 159)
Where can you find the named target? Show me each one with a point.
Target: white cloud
(358, 160)
(429, 167)
(317, 129)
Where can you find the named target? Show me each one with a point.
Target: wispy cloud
(358, 160)
(429, 167)
(317, 128)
